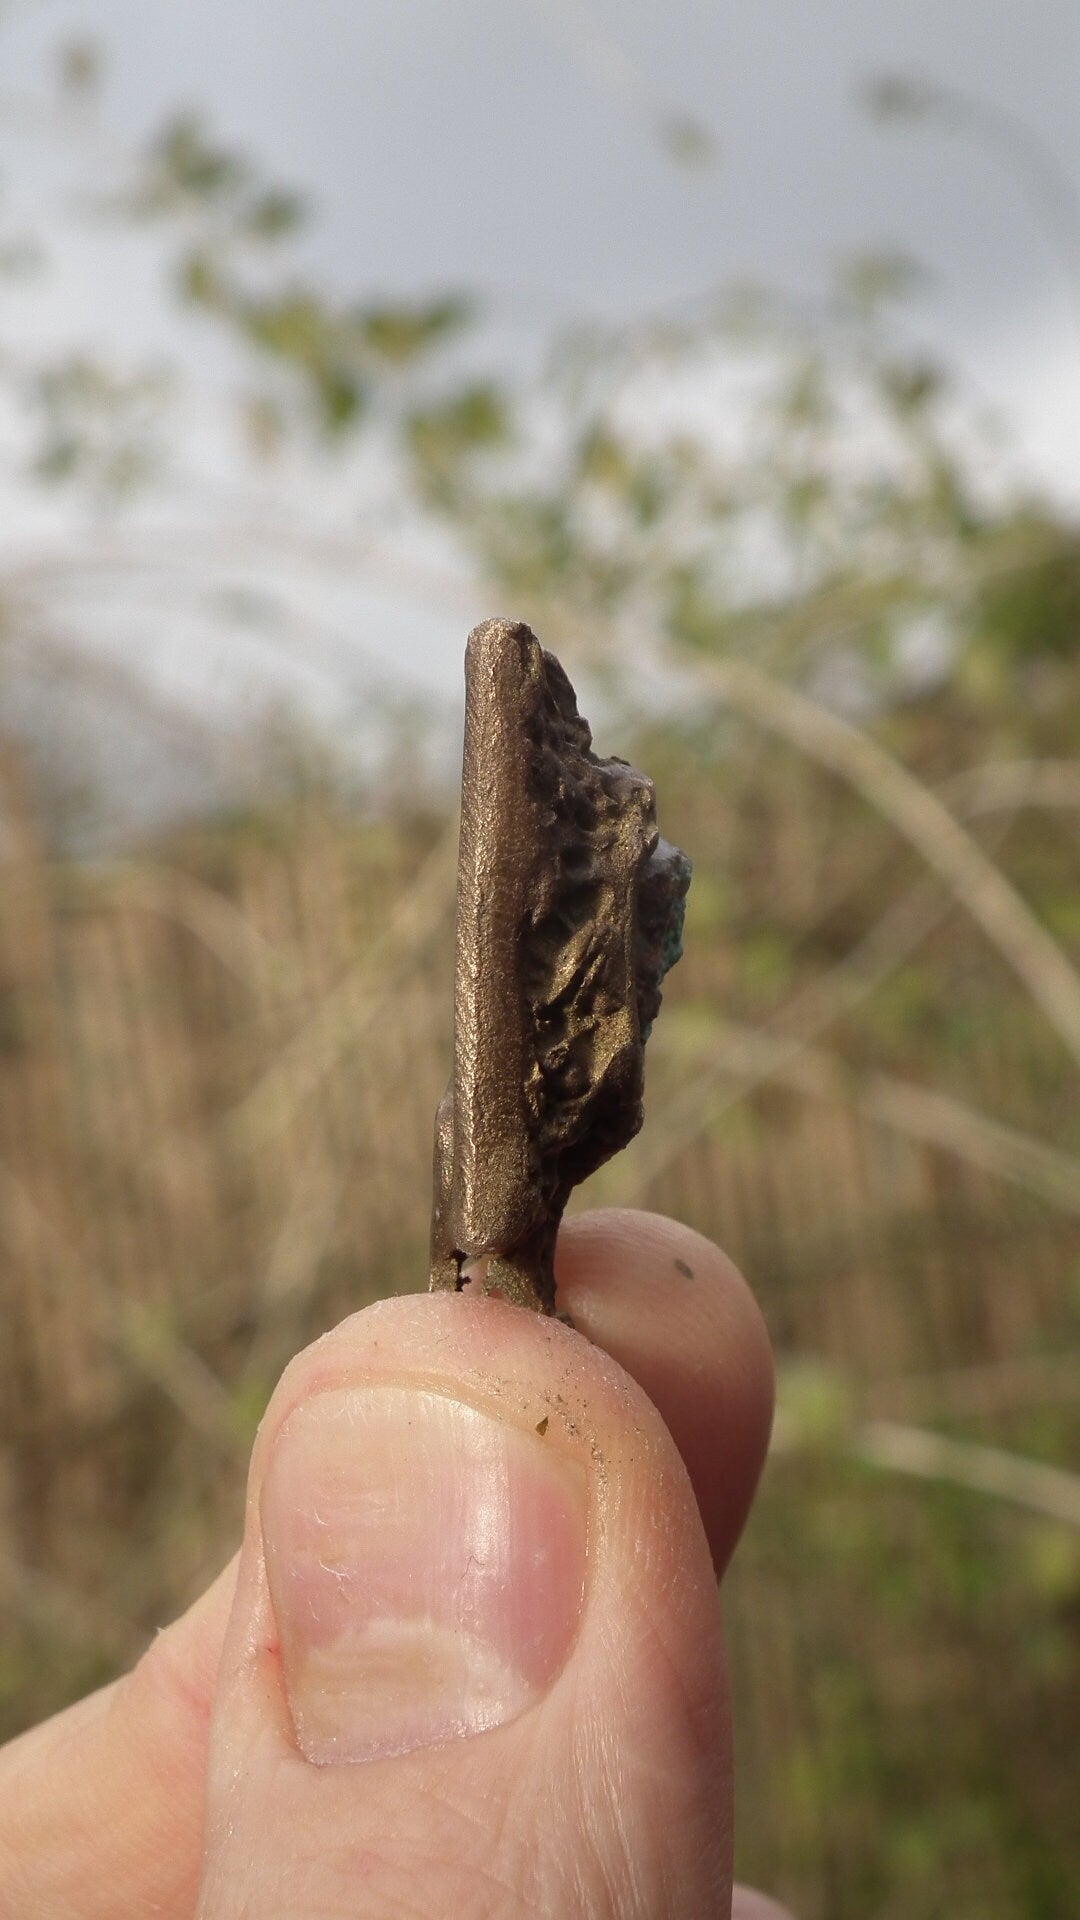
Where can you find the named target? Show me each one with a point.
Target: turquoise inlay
(672, 950)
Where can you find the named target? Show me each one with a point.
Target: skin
(179, 1790)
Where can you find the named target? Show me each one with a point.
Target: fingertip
(676, 1313)
(503, 1422)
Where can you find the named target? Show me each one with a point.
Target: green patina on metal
(671, 951)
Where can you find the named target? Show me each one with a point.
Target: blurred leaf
(274, 214)
(604, 459)
(296, 325)
(341, 396)
(1023, 612)
(80, 66)
(401, 334)
(189, 163)
(59, 458)
(869, 281)
(912, 386)
(441, 438)
(687, 141)
(900, 97)
(200, 280)
(264, 423)
(98, 424)
(804, 398)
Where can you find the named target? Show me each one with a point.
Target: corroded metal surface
(569, 914)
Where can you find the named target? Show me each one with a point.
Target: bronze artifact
(570, 910)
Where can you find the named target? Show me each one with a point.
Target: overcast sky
(509, 142)
(512, 146)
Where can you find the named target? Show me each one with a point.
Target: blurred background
(737, 349)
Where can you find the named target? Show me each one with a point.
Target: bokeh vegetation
(805, 595)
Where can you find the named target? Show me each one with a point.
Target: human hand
(469, 1658)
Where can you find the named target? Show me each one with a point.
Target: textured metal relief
(570, 910)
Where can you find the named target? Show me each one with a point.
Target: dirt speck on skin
(542, 1426)
(561, 1406)
(683, 1267)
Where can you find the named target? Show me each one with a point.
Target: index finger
(676, 1313)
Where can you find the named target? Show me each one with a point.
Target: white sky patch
(464, 147)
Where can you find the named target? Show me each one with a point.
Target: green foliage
(79, 67)
(98, 426)
(899, 96)
(686, 141)
(184, 171)
(399, 335)
(1028, 607)
(443, 438)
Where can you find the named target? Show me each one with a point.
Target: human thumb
(473, 1665)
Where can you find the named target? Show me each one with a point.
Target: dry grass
(218, 1071)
